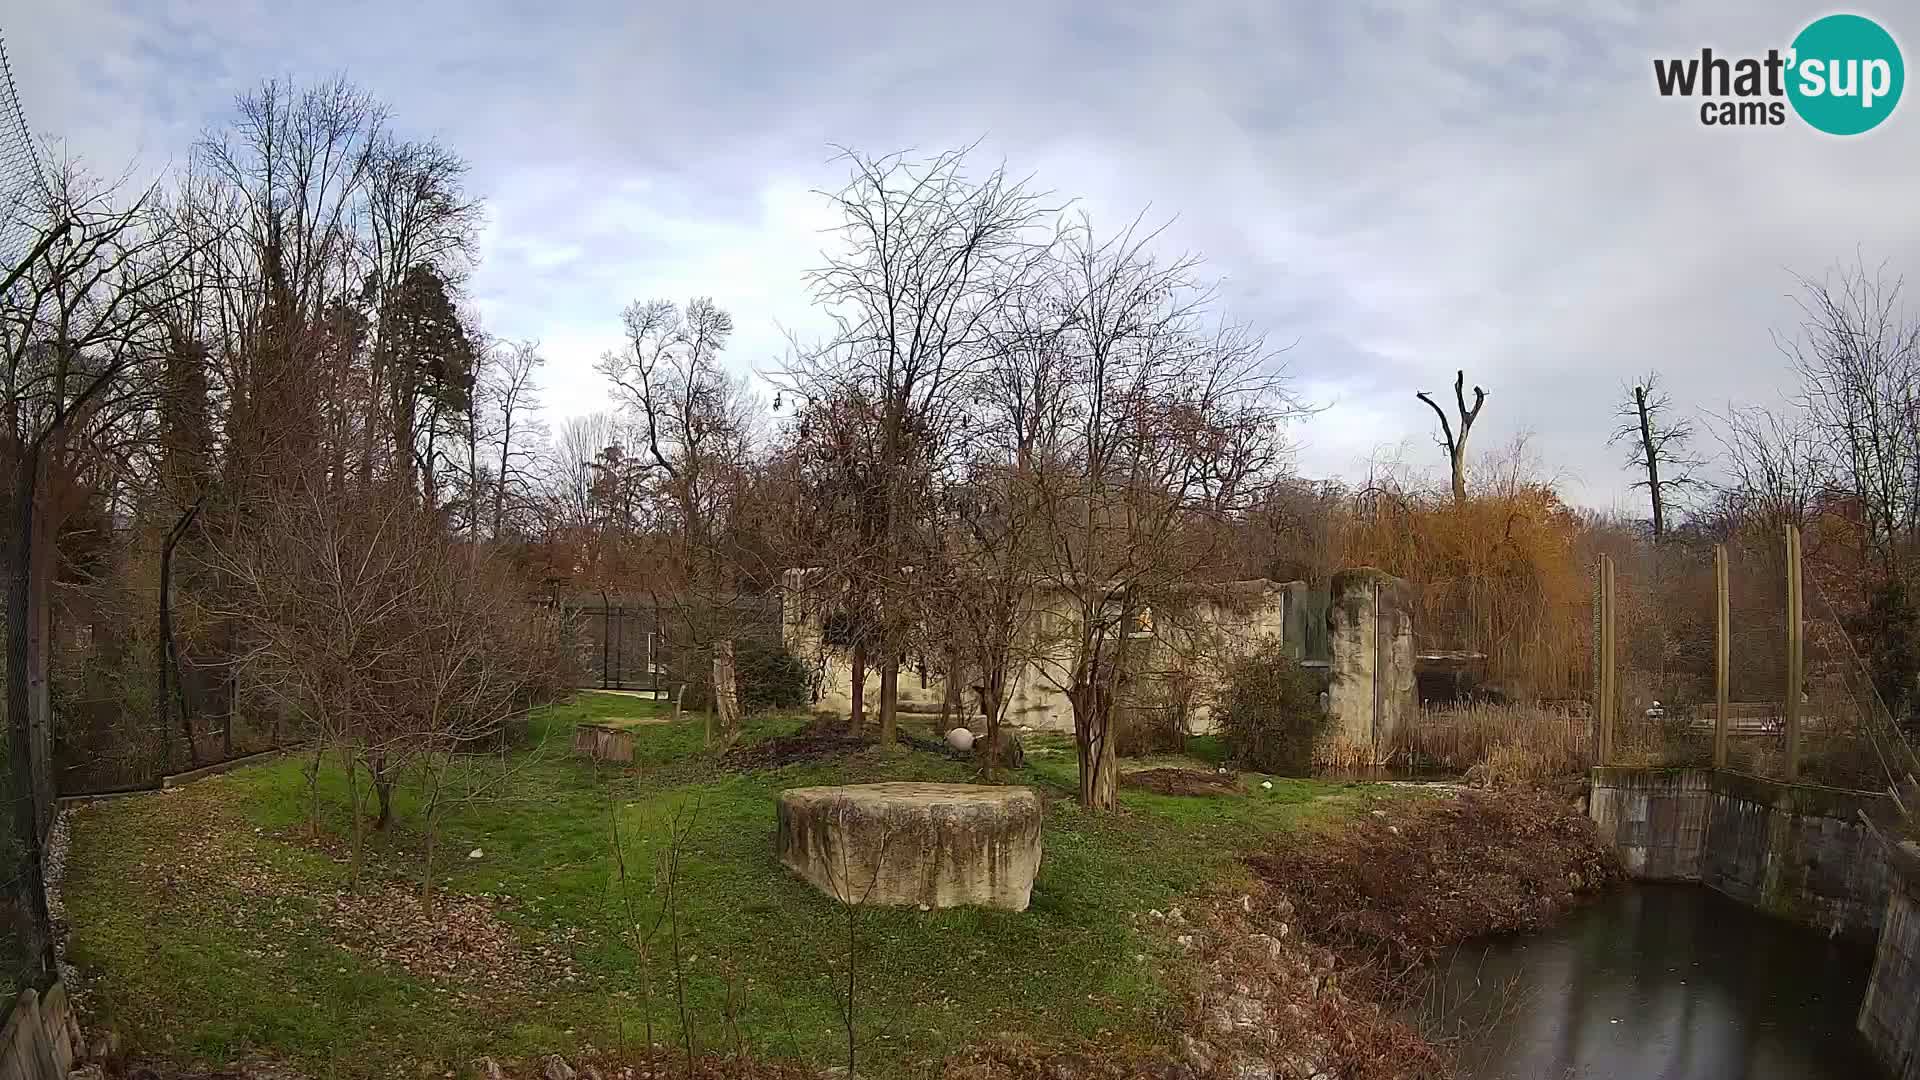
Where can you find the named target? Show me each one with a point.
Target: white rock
(960, 739)
(1268, 784)
(475, 853)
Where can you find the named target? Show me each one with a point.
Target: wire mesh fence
(22, 183)
(1744, 628)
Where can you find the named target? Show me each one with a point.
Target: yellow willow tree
(1498, 572)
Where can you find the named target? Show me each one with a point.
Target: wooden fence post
(1722, 653)
(1796, 654)
(1606, 706)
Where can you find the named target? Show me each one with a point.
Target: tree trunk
(382, 789)
(34, 925)
(1653, 463)
(1458, 461)
(169, 652)
(889, 701)
(857, 717)
(950, 701)
(726, 691)
(992, 704)
(1093, 740)
(41, 559)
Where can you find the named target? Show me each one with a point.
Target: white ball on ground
(960, 739)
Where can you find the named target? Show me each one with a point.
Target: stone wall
(1889, 1016)
(1215, 623)
(41, 1039)
(1796, 850)
(1799, 851)
(1370, 689)
(1656, 819)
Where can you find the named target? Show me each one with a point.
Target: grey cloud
(1401, 187)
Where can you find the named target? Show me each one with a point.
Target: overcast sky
(1398, 188)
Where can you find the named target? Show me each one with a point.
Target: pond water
(1671, 982)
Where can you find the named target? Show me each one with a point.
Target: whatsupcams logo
(1842, 75)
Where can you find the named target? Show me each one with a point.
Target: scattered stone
(590, 1072)
(89, 1071)
(556, 1068)
(488, 1069)
(1271, 944)
(1155, 913)
(1175, 915)
(1267, 784)
(1253, 1070)
(475, 853)
(1185, 941)
(960, 739)
(1246, 903)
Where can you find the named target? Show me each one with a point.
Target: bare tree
(1165, 428)
(1455, 444)
(1858, 355)
(694, 429)
(929, 258)
(1775, 463)
(78, 326)
(1657, 443)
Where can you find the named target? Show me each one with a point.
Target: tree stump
(913, 844)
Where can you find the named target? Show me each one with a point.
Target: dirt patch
(1398, 886)
(822, 738)
(1181, 782)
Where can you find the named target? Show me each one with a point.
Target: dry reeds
(1500, 744)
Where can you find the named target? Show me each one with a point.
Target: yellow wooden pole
(1796, 656)
(1606, 706)
(1722, 653)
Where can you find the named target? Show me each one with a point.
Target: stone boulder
(914, 844)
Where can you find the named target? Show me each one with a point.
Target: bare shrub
(1270, 713)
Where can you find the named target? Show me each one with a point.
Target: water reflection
(1670, 982)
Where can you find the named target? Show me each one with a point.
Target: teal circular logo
(1845, 74)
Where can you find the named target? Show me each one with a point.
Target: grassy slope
(201, 971)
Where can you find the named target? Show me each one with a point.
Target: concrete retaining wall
(41, 1039)
(1656, 819)
(1796, 850)
(1890, 1013)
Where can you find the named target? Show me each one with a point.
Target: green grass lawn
(209, 926)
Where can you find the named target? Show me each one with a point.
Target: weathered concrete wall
(1370, 692)
(1889, 1016)
(1655, 818)
(1799, 851)
(41, 1039)
(1796, 850)
(1217, 623)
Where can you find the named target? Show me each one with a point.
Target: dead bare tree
(1659, 445)
(1455, 444)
